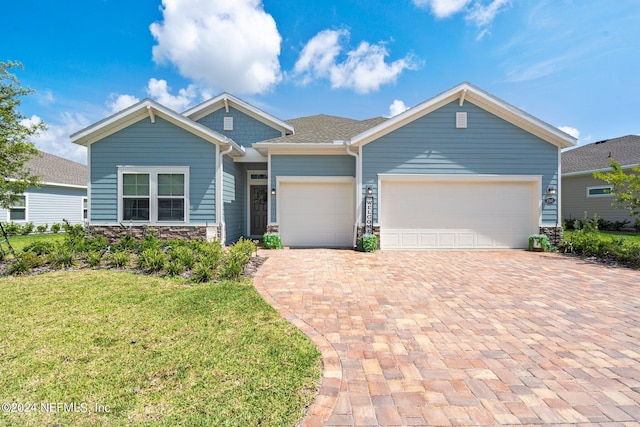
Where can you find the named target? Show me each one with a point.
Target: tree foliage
(15, 132)
(626, 186)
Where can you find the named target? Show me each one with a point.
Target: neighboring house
(582, 192)
(63, 194)
(461, 170)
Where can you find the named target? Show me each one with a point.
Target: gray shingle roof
(624, 150)
(323, 128)
(54, 169)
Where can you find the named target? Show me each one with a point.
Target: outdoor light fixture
(273, 191)
(550, 197)
(551, 191)
(369, 191)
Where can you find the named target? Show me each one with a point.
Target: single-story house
(63, 194)
(463, 169)
(584, 193)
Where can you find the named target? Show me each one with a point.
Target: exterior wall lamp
(550, 196)
(369, 191)
(273, 191)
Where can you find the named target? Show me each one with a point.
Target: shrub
(62, 256)
(42, 228)
(11, 229)
(369, 242)
(94, 258)
(543, 241)
(602, 246)
(175, 268)
(127, 242)
(119, 259)
(183, 255)
(23, 264)
(150, 241)
(636, 225)
(26, 229)
(203, 272)
(55, 227)
(152, 259)
(96, 244)
(39, 248)
(272, 241)
(235, 258)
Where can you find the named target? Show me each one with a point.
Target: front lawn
(103, 347)
(19, 242)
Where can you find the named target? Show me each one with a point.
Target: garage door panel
(457, 214)
(316, 214)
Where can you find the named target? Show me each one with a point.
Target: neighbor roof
(56, 170)
(324, 129)
(591, 157)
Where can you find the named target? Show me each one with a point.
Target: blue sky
(572, 63)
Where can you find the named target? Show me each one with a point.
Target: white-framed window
(18, 209)
(85, 209)
(600, 191)
(158, 194)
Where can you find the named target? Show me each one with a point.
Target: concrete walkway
(463, 338)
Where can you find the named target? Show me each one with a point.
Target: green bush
(62, 256)
(22, 264)
(542, 239)
(126, 243)
(235, 258)
(602, 246)
(203, 272)
(42, 228)
(369, 242)
(12, 229)
(152, 259)
(272, 241)
(27, 229)
(175, 268)
(94, 258)
(56, 227)
(119, 259)
(95, 244)
(39, 247)
(150, 241)
(182, 255)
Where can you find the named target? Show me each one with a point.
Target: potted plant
(539, 243)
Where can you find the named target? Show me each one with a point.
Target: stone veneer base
(113, 233)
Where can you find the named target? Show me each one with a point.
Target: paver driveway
(463, 338)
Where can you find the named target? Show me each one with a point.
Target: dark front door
(258, 194)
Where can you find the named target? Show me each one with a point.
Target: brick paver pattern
(463, 337)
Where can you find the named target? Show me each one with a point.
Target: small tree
(15, 131)
(626, 186)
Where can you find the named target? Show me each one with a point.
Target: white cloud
(231, 45)
(397, 107)
(570, 130)
(443, 8)
(55, 139)
(45, 98)
(364, 69)
(117, 102)
(159, 91)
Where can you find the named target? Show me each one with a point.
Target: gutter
(220, 186)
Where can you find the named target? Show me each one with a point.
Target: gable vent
(227, 123)
(461, 120)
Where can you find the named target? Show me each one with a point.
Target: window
(85, 209)
(601, 191)
(18, 209)
(153, 194)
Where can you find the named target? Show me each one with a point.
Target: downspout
(220, 185)
(358, 195)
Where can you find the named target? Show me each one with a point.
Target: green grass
(152, 350)
(19, 242)
(632, 237)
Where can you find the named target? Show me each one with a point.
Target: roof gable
(151, 109)
(54, 170)
(224, 100)
(591, 157)
(482, 99)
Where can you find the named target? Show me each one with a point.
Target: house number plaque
(368, 216)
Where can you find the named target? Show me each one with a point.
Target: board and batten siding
(246, 129)
(489, 145)
(308, 165)
(51, 204)
(575, 201)
(153, 144)
(233, 194)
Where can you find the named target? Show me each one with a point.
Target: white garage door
(316, 214)
(463, 215)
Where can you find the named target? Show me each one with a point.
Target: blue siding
(152, 144)
(309, 165)
(234, 197)
(489, 145)
(50, 204)
(246, 129)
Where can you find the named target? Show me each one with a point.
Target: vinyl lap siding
(50, 204)
(233, 192)
(489, 145)
(575, 201)
(152, 144)
(246, 129)
(311, 165)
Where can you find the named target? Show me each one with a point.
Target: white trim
(26, 211)
(153, 172)
(300, 148)
(269, 184)
(480, 98)
(251, 156)
(591, 171)
(223, 100)
(219, 188)
(533, 179)
(251, 182)
(89, 183)
(307, 180)
(56, 184)
(559, 192)
(593, 187)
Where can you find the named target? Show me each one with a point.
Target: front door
(258, 209)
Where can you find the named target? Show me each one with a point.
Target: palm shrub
(183, 255)
(94, 258)
(56, 227)
(119, 259)
(152, 259)
(42, 228)
(39, 248)
(62, 256)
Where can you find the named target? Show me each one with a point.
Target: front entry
(258, 209)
